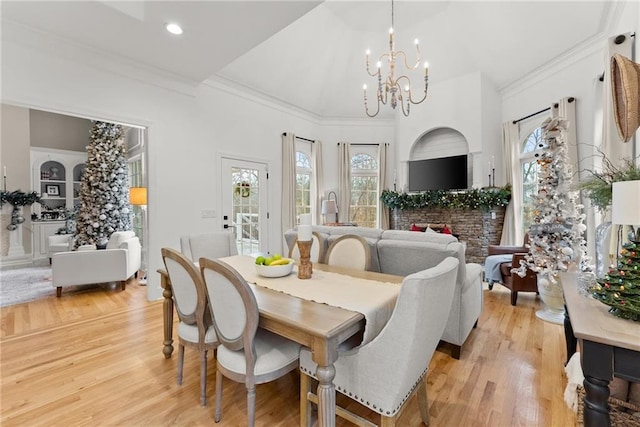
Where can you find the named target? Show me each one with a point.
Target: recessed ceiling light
(173, 28)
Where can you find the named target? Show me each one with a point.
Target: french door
(244, 203)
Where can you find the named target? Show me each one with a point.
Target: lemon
(277, 257)
(260, 260)
(268, 261)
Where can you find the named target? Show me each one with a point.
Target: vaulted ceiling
(310, 54)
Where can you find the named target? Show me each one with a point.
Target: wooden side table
(608, 346)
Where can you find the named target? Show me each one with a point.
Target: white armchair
(119, 262)
(58, 243)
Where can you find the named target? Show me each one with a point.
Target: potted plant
(598, 188)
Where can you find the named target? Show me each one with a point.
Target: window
(532, 146)
(303, 184)
(364, 190)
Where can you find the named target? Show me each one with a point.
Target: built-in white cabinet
(56, 176)
(41, 232)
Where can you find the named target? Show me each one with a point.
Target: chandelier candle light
(392, 85)
(305, 268)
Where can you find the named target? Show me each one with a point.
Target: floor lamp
(138, 197)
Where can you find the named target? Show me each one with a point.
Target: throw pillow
(445, 230)
(416, 228)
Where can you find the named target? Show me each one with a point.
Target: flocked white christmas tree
(556, 235)
(104, 191)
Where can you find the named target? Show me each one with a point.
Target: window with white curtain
(303, 182)
(364, 187)
(531, 146)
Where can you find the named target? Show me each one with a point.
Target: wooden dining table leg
(324, 357)
(167, 313)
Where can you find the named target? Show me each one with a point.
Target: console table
(608, 346)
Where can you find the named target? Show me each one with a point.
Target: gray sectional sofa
(403, 252)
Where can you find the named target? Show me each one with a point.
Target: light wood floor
(93, 358)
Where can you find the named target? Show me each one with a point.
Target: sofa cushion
(404, 257)
(118, 237)
(418, 237)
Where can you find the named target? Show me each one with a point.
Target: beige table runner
(375, 300)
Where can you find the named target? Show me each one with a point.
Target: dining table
(335, 305)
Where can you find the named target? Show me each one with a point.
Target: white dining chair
(247, 354)
(350, 251)
(385, 373)
(195, 327)
(317, 248)
(209, 245)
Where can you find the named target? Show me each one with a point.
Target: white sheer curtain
(317, 179)
(288, 181)
(612, 146)
(512, 227)
(344, 182)
(566, 108)
(383, 211)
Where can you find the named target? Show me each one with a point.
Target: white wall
(458, 104)
(186, 135)
(577, 76)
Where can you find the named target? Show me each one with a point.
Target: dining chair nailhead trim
(381, 410)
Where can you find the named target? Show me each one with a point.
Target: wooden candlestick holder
(305, 268)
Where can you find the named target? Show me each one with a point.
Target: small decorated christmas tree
(620, 288)
(556, 234)
(104, 191)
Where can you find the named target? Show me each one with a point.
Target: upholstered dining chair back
(210, 245)
(195, 328)
(349, 251)
(317, 248)
(384, 373)
(243, 345)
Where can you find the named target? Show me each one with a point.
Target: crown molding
(588, 47)
(251, 94)
(54, 45)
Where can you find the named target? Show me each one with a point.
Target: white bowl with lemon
(274, 266)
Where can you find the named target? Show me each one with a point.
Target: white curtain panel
(512, 227)
(288, 181)
(566, 108)
(344, 182)
(383, 211)
(317, 179)
(612, 146)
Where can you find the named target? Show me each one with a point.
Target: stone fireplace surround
(475, 227)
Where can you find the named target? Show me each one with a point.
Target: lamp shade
(625, 203)
(329, 207)
(138, 196)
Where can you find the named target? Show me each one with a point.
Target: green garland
(484, 198)
(19, 198)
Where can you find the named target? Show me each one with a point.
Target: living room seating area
(402, 253)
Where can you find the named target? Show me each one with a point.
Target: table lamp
(625, 205)
(330, 206)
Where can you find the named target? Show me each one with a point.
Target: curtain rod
(555, 105)
(299, 137)
(365, 143)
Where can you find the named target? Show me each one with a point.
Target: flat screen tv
(446, 173)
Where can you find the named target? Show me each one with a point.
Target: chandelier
(391, 89)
